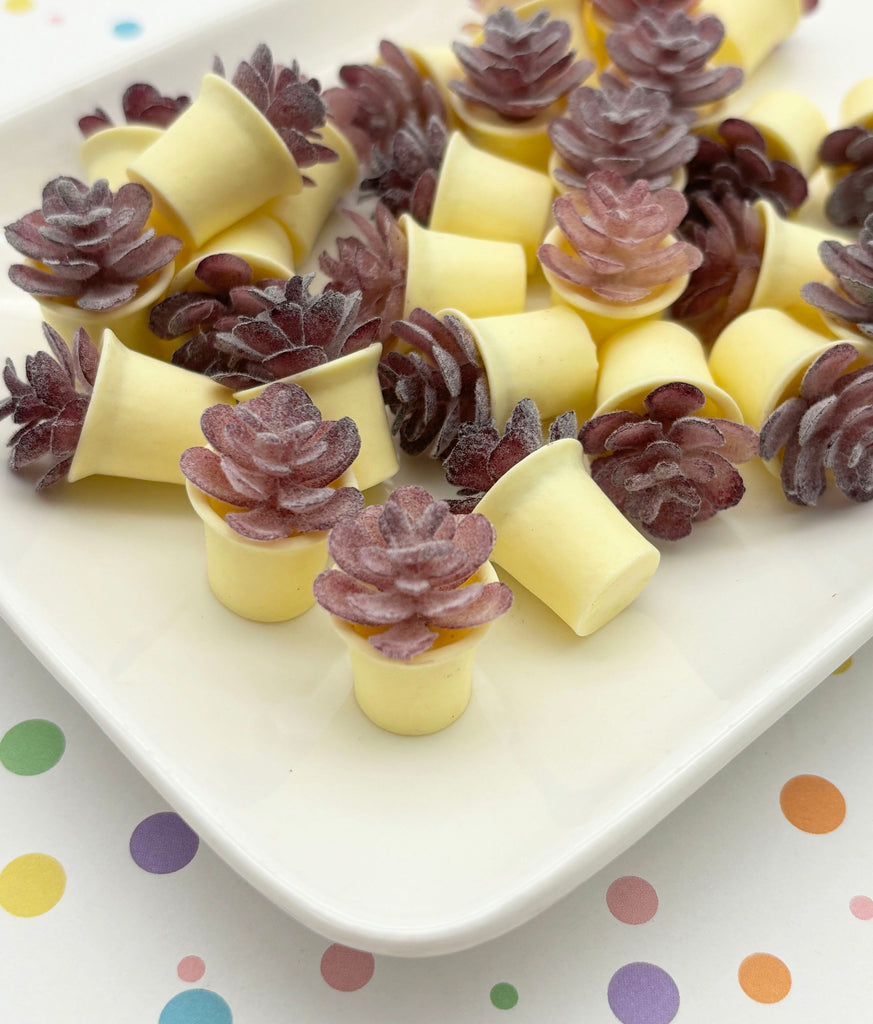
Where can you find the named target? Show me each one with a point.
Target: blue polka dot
(127, 29)
(196, 1006)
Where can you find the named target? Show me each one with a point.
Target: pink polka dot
(632, 900)
(346, 969)
(861, 907)
(191, 968)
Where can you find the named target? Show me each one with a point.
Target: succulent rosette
(522, 66)
(294, 331)
(828, 426)
(619, 239)
(274, 458)
(669, 469)
(850, 151)
(90, 244)
(404, 565)
(851, 301)
(396, 120)
(376, 100)
(229, 291)
(292, 103)
(483, 455)
(373, 263)
(737, 163)
(50, 404)
(141, 104)
(664, 48)
(730, 237)
(623, 127)
(436, 386)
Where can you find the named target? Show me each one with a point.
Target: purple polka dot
(163, 843)
(642, 993)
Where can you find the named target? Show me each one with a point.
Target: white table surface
(106, 935)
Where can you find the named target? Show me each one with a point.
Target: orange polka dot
(764, 978)
(812, 804)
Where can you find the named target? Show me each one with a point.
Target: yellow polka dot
(31, 885)
(812, 804)
(764, 978)
(847, 664)
(19, 6)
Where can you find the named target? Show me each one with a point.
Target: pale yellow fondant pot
(217, 162)
(636, 361)
(561, 537)
(480, 276)
(486, 196)
(349, 386)
(543, 354)
(790, 260)
(857, 104)
(605, 318)
(109, 152)
(753, 28)
(526, 142)
(761, 356)
(142, 415)
(265, 581)
(420, 696)
(130, 322)
(303, 214)
(793, 127)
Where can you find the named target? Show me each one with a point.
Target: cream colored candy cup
(563, 539)
(263, 581)
(526, 142)
(349, 386)
(485, 196)
(857, 105)
(605, 318)
(636, 361)
(477, 275)
(420, 696)
(304, 213)
(130, 322)
(142, 415)
(761, 356)
(790, 260)
(544, 354)
(258, 239)
(753, 28)
(109, 152)
(792, 125)
(217, 162)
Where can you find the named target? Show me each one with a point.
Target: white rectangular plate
(571, 748)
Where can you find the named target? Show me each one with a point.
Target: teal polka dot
(196, 1006)
(504, 996)
(32, 747)
(127, 29)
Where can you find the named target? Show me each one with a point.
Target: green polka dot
(32, 747)
(504, 996)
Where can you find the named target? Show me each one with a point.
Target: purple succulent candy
(482, 455)
(91, 244)
(670, 468)
(275, 457)
(403, 565)
(827, 426)
(51, 404)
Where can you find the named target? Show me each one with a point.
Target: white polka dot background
(752, 901)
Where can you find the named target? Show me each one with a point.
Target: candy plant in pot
(92, 262)
(271, 484)
(412, 596)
